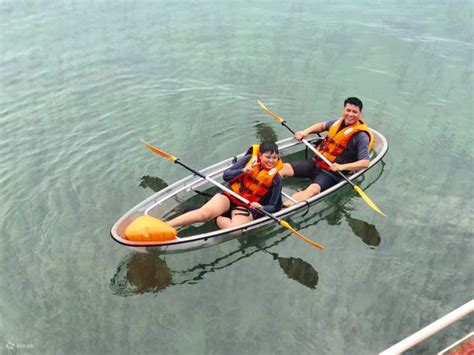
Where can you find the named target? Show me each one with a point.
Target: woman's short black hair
(269, 146)
(354, 101)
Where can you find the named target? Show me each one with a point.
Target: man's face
(351, 114)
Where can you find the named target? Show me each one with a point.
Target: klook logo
(11, 346)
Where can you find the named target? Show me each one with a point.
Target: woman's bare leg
(216, 206)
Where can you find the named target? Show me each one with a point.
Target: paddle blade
(291, 229)
(368, 200)
(275, 116)
(159, 152)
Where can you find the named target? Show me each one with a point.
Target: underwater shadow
(142, 273)
(153, 182)
(367, 232)
(265, 132)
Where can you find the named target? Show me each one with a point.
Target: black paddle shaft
(284, 124)
(268, 214)
(340, 173)
(177, 161)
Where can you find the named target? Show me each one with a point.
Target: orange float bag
(149, 229)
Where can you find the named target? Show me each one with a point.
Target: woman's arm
(236, 169)
(274, 202)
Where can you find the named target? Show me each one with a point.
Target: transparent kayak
(194, 191)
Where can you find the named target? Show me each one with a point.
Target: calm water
(82, 82)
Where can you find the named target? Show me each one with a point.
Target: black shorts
(308, 169)
(244, 211)
(241, 210)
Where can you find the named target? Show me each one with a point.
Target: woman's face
(269, 160)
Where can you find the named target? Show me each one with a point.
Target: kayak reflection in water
(140, 273)
(254, 177)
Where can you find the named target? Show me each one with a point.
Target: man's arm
(316, 128)
(360, 142)
(358, 165)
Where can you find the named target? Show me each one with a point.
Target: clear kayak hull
(172, 200)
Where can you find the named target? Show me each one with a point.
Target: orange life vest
(254, 185)
(338, 140)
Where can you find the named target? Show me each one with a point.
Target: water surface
(82, 82)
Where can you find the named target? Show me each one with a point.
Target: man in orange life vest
(347, 146)
(255, 177)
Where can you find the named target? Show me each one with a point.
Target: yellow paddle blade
(368, 200)
(275, 116)
(291, 229)
(160, 152)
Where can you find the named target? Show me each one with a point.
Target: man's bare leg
(309, 192)
(286, 171)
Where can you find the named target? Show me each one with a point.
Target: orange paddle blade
(160, 152)
(275, 116)
(291, 229)
(368, 200)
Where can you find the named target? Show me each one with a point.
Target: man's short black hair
(354, 101)
(269, 146)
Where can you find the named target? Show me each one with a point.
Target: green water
(82, 81)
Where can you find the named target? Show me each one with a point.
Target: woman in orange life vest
(346, 146)
(255, 177)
